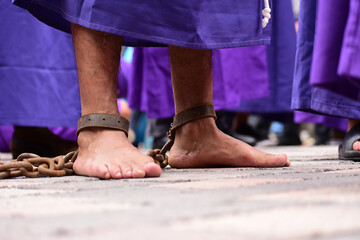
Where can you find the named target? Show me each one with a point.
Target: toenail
(139, 171)
(128, 172)
(118, 174)
(107, 175)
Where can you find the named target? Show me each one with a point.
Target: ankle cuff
(103, 120)
(191, 114)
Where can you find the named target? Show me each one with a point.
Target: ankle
(197, 128)
(89, 135)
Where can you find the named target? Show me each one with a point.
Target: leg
(103, 153)
(200, 143)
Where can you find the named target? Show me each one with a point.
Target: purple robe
(241, 76)
(321, 84)
(38, 77)
(280, 56)
(238, 74)
(331, 122)
(201, 24)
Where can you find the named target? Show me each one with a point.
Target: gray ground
(318, 197)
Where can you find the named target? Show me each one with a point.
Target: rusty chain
(159, 155)
(32, 166)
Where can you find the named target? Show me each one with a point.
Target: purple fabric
(324, 97)
(350, 53)
(6, 133)
(331, 122)
(280, 57)
(332, 18)
(38, 77)
(238, 74)
(122, 83)
(209, 24)
(149, 82)
(65, 133)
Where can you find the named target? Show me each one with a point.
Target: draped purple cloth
(238, 74)
(326, 72)
(249, 79)
(329, 45)
(209, 24)
(280, 56)
(331, 122)
(38, 77)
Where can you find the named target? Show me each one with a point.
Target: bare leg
(200, 143)
(103, 153)
(353, 122)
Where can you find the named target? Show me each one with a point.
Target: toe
(102, 172)
(126, 171)
(138, 172)
(356, 146)
(284, 162)
(152, 170)
(279, 160)
(115, 172)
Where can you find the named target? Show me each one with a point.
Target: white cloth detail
(266, 13)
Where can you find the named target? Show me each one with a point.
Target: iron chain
(32, 166)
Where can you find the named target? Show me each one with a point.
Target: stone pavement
(318, 197)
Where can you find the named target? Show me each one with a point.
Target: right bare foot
(201, 144)
(106, 154)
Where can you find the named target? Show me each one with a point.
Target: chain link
(159, 155)
(32, 166)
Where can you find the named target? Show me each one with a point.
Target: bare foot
(201, 144)
(107, 154)
(352, 123)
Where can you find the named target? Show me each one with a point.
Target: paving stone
(317, 197)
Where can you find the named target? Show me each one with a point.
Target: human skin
(200, 143)
(106, 153)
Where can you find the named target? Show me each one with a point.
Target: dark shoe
(323, 134)
(346, 150)
(39, 140)
(290, 135)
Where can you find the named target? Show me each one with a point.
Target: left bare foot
(106, 154)
(201, 144)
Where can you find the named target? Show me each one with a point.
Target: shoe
(290, 135)
(346, 150)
